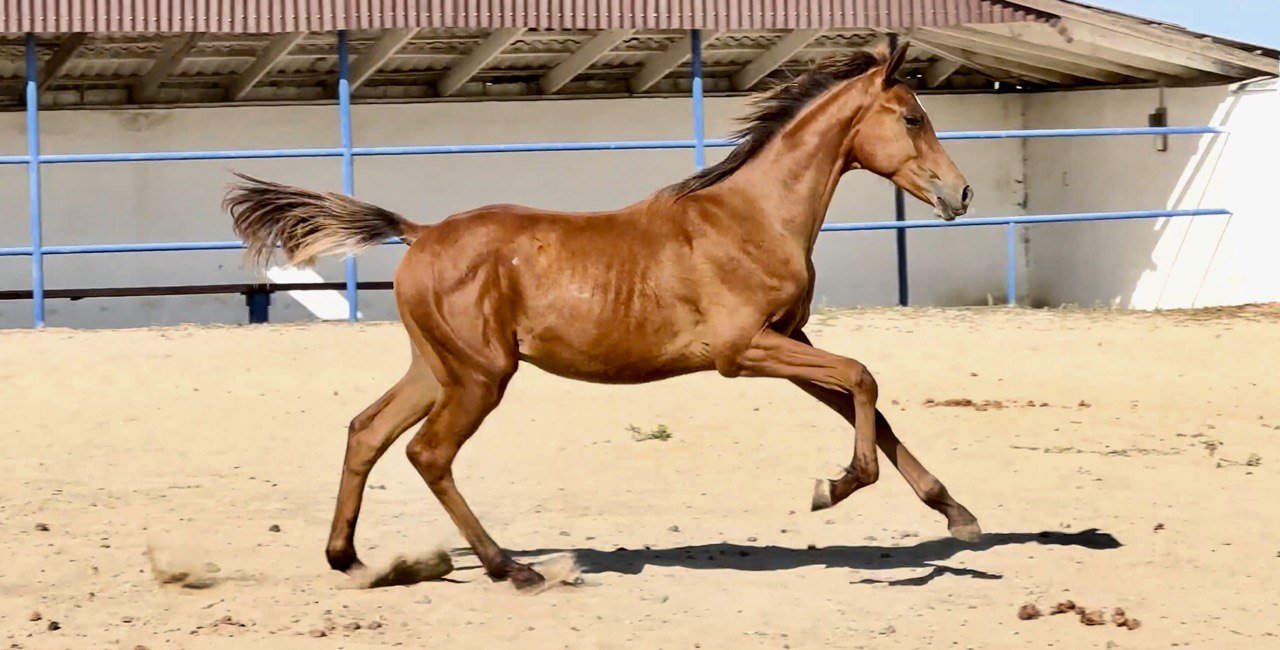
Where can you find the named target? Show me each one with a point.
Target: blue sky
(1251, 21)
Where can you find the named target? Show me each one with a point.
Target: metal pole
(699, 128)
(1011, 264)
(348, 167)
(33, 184)
(900, 214)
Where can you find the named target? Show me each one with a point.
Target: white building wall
(179, 201)
(1166, 263)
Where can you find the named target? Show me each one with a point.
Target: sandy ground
(1129, 484)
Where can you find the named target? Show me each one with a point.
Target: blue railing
(347, 152)
(541, 147)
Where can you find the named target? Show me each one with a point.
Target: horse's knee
(361, 450)
(431, 461)
(863, 383)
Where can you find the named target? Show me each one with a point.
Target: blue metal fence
(347, 152)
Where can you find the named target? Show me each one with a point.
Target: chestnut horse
(717, 275)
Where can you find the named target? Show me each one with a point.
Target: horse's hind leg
(962, 524)
(368, 437)
(455, 418)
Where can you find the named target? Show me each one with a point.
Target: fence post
(900, 214)
(348, 166)
(259, 303)
(33, 182)
(1011, 264)
(695, 72)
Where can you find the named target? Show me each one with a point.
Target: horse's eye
(913, 121)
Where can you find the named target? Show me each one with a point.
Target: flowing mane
(773, 109)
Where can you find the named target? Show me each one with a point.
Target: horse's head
(894, 138)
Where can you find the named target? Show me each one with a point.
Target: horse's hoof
(343, 560)
(821, 495)
(969, 532)
(525, 578)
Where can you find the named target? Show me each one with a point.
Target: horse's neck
(790, 183)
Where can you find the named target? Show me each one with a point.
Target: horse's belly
(614, 352)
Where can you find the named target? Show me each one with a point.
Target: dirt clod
(1029, 612)
(1064, 607)
(1133, 624)
(317, 633)
(1119, 618)
(54, 626)
(35, 616)
(1095, 617)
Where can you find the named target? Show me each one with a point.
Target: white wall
(1166, 263)
(176, 201)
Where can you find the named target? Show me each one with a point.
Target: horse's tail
(307, 223)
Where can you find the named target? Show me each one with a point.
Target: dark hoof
(821, 495)
(525, 578)
(343, 560)
(967, 532)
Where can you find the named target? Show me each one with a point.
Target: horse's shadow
(924, 555)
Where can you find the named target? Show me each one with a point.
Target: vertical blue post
(1011, 264)
(348, 163)
(695, 71)
(259, 303)
(900, 214)
(33, 184)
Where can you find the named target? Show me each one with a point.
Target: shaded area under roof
(1028, 45)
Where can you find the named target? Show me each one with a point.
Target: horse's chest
(788, 282)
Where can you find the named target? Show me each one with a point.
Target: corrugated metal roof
(1075, 47)
(273, 16)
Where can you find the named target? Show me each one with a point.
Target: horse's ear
(895, 61)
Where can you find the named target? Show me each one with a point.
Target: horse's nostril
(966, 195)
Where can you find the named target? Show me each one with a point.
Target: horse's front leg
(771, 354)
(960, 522)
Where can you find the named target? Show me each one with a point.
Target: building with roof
(126, 53)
